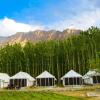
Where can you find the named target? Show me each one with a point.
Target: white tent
(92, 77)
(4, 80)
(22, 79)
(72, 78)
(45, 79)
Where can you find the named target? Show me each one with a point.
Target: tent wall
(72, 81)
(6, 84)
(96, 79)
(46, 82)
(88, 81)
(92, 80)
(19, 82)
(3, 84)
(30, 83)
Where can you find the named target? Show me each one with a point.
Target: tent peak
(71, 74)
(45, 74)
(22, 75)
(92, 73)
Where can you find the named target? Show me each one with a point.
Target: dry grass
(82, 92)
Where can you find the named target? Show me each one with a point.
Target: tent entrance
(96, 79)
(73, 81)
(18, 82)
(45, 82)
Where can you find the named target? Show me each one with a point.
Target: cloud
(10, 27)
(82, 20)
(95, 3)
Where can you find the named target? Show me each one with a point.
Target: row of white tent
(23, 79)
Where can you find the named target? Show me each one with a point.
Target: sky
(31, 15)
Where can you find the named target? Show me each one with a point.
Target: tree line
(80, 53)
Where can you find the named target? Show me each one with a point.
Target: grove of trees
(81, 53)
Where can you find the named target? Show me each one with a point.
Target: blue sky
(30, 15)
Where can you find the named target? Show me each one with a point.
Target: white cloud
(81, 21)
(85, 18)
(10, 27)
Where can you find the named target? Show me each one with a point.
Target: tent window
(73, 81)
(45, 82)
(19, 82)
(96, 79)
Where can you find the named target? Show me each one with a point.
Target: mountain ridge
(38, 35)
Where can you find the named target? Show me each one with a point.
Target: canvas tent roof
(71, 74)
(91, 73)
(5, 77)
(85, 77)
(22, 75)
(45, 74)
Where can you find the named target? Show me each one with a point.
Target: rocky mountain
(38, 35)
